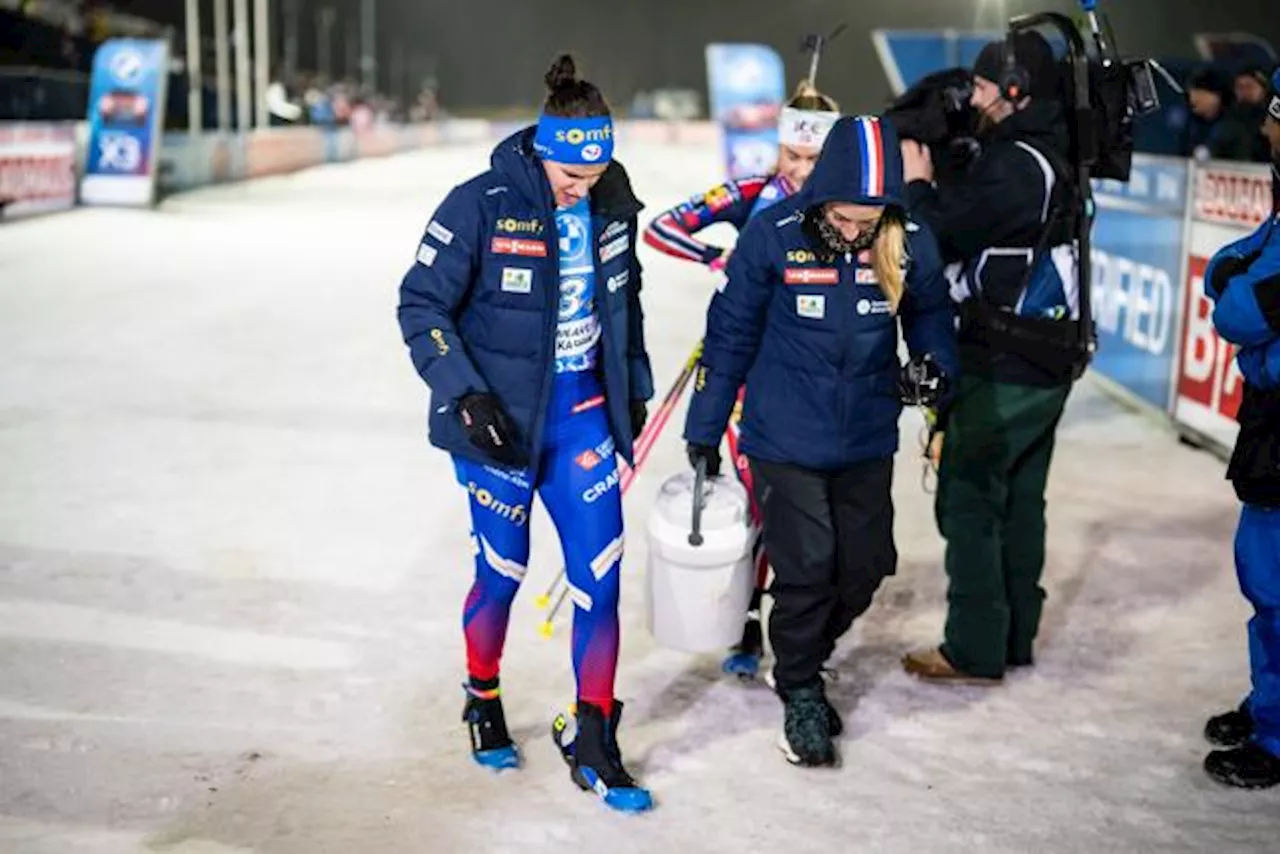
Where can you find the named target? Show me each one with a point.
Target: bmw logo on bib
(573, 239)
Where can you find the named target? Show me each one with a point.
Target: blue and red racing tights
(577, 480)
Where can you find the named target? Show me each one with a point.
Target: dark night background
(491, 53)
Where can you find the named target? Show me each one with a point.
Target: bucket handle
(699, 482)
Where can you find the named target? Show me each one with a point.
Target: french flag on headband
(871, 151)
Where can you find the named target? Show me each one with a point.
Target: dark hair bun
(563, 73)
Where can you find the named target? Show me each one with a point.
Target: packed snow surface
(231, 574)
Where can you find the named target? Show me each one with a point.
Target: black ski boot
(491, 744)
(1230, 729)
(595, 761)
(807, 730)
(835, 723)
(1246, 767)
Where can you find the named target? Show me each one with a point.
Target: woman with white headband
(803, 127)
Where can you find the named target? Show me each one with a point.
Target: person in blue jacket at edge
(1243, 280)
(522, 313)
(809, 319)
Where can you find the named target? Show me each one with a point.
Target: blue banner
(126, 113)
(1137, 274)
(908, 55)
(747, 84)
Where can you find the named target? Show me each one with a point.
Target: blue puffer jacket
(1243, 280)
(810, 332)
(479, 307)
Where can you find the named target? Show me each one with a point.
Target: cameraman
(1005, 225)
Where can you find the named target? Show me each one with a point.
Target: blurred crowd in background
(1227, 108)
(46, 55)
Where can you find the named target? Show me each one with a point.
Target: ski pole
(640, 452)
(548, 627)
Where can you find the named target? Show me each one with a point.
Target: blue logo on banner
(1137, 267)
(126, 107)
(747, 84)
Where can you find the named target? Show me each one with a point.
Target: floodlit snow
(231, 572)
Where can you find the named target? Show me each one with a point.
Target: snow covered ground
(231, 571)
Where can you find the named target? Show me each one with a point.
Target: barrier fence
(1153, 239)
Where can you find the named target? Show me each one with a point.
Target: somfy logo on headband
(583, 140)
(1274, 109)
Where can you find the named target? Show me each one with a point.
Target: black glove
(490, 428)
(921, 382)
(705, 452)
(1228, 268)
(639, 412)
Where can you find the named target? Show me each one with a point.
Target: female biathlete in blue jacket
(802, 128)
(809, 319)
(523, 315)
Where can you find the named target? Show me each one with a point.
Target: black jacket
(999, 201)
(1240, 135)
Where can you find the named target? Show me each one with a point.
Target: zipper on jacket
(606, 323)
(552, 304)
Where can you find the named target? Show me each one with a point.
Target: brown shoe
(932, 666)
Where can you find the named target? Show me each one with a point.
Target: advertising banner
(276, 151)
(1137, 266)
(37, 168)
(747, 83)
(189, 160)
(126, 114)
(908, 55)
(1230, 201)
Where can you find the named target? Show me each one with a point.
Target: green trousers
(990, 508)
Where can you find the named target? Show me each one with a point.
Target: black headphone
(1015, 81)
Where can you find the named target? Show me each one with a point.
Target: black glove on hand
(639, 417)
(921, 382)
(490, 428)
(1230, 267)
(705, 452)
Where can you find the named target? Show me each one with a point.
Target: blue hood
(513, 158)
(861, 162)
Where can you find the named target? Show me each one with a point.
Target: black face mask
(835, 241)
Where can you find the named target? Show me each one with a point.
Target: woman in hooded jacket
(802, 128)
(818, 290)
(522, 313)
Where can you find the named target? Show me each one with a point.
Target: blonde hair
(889, 256)
(807, 97)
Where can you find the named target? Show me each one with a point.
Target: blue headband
(581, 140)
(1274, 107)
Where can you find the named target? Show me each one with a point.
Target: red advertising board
(1209, 383)
(1230, 202)
(1233, 195)
(37, 168)
(281, 150)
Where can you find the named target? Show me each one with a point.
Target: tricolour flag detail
(871, 153)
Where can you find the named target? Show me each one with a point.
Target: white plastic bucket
(697, 596)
